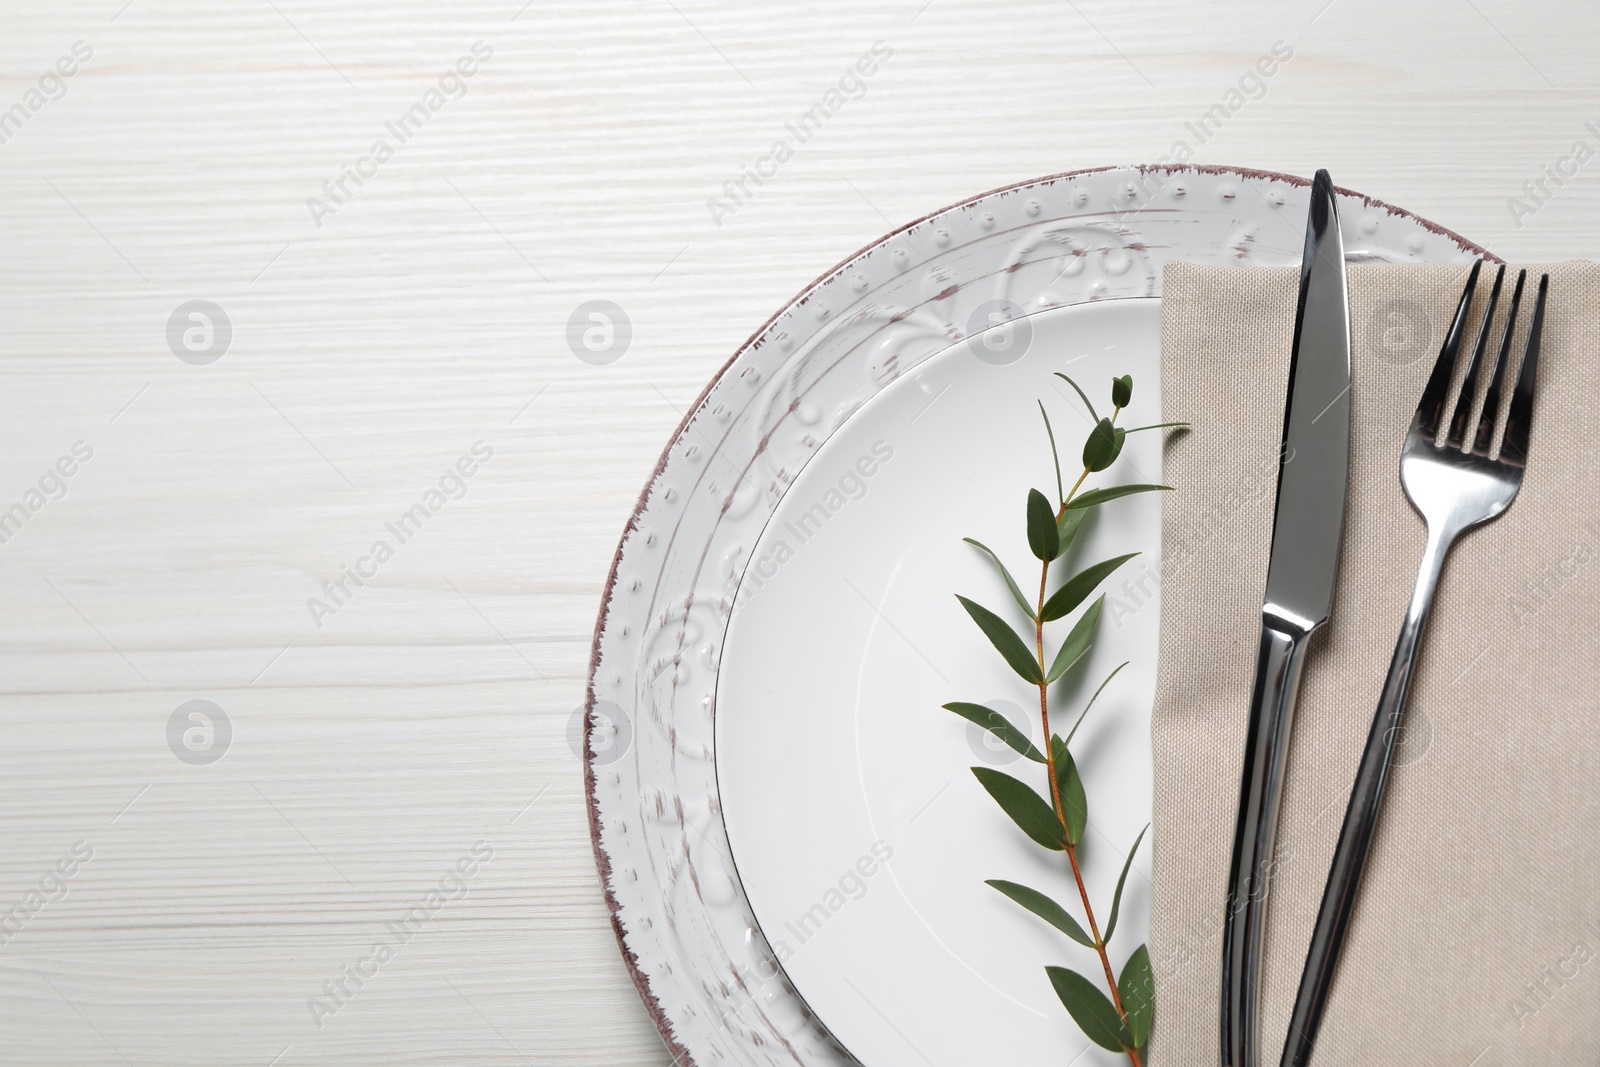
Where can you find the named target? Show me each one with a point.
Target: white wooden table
(161, 905)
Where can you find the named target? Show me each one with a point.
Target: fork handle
(1361, 816)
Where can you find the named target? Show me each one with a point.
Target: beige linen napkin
(1476, 939)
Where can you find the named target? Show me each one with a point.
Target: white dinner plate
(865, 330)
(860, 836)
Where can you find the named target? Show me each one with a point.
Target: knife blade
(1307, 533)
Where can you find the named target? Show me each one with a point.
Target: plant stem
(1055, 784)
(1074, 492)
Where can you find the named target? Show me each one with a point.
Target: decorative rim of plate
(642, 982)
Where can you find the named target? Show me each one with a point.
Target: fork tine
(1520, 418)
(1457, 436)
(1431, 406)
(1491, 399)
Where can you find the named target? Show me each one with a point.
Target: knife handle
(1266, 748)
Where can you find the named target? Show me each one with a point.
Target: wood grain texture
(431, 711)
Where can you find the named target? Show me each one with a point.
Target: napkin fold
(1476, 939)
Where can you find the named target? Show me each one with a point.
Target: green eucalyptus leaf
(1027, 809)
(1100, 496)
(1073, 797)
(1116, 900)
(1055, 457)
(1045, 908)
(1137, 990)
(1076, 646)
(996, 724)
(1043, 538)
(1068, 523)
(1081, 393)
(1084, 714)
(1158, 426)
(1102, 446)
(1091, 1009)
(1005, 641)
(1011, 583)
(1076, 590)
(1121, 391)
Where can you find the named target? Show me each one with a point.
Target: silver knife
(1307, 531)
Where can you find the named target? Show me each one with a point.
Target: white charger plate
(699, 958)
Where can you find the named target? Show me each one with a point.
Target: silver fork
(1454, 486)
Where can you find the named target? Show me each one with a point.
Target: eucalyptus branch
(1121, 1020)
(1050, 762)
